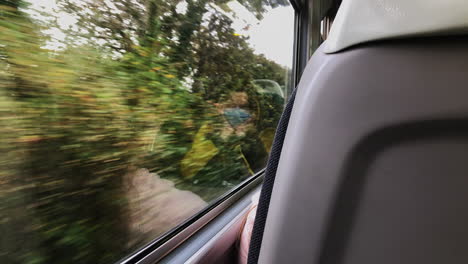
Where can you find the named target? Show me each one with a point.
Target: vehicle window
(120, 119)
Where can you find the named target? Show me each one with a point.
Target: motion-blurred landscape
(134, 120)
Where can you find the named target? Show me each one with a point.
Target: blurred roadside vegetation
(135, 84)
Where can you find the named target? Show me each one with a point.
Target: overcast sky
(272, 36)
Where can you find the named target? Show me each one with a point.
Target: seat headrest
(359, 21)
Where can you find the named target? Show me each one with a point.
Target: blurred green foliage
(130, 87)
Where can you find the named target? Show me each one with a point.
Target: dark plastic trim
(297, 4)
(301, 36)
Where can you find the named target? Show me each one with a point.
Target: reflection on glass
(120, 119)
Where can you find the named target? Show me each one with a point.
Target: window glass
(119, 119)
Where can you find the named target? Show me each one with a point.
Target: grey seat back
(374, 166)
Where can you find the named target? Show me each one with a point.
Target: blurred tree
(132, 86)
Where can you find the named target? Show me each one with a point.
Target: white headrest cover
(361, 21)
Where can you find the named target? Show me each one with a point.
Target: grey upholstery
(374, 167)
